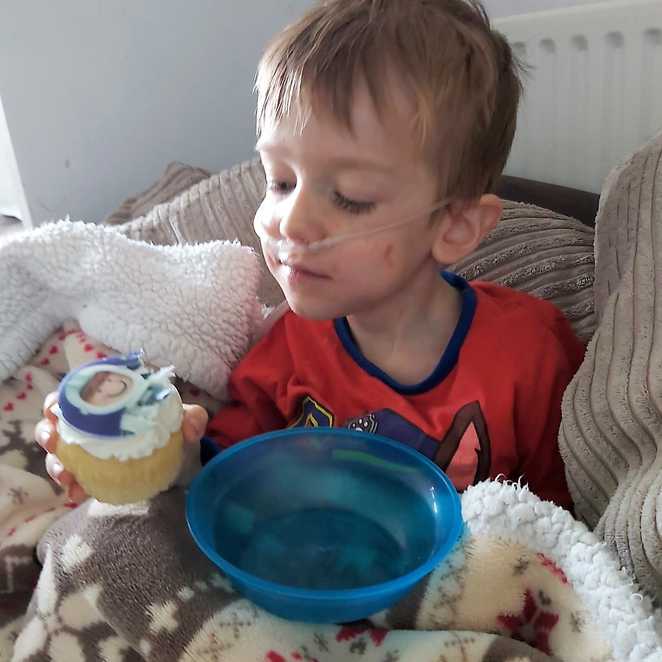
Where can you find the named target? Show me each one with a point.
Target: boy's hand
(45, 434)
(194, 423)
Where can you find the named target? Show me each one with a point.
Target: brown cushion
(543, 253)
(611, 431)
(581, 205)
(177, 177)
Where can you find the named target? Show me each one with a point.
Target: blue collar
(448, 358)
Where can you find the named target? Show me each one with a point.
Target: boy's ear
(463, 226)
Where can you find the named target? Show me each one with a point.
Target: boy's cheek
(388, 256)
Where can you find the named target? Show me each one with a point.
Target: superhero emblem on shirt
(464, 453)
(313, 415)
(367, 423)
(389, 424)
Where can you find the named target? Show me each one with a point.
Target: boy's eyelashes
(279, 187)
(352, 206)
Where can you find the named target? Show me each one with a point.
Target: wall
(589, 100)
(12, 200)
(99, 96)
(498, 8)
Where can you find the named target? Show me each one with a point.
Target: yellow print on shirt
(313, 415)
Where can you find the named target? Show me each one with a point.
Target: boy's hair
(462, 75)
(93, 384)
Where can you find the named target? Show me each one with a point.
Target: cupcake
(119, 428)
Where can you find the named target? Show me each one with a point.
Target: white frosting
(131, 447)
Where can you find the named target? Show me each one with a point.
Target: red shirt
(491, 407)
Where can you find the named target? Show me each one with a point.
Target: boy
(386, 122)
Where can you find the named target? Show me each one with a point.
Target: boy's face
(106, 387)
(324, 181)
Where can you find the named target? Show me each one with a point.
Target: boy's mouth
(299, 270)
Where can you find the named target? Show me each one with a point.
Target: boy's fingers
(45, 435)
(194, 423)
(64, 479)
(56, 471)
(49, 401)
(76, 493)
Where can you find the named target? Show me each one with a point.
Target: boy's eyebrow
(339, 163)
(349, 163)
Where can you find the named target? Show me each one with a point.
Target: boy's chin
(314, 310)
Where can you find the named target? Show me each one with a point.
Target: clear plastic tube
(287, 250)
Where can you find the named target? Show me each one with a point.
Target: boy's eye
(352, 206)
(279, 187)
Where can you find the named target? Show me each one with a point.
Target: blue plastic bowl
(323, 525)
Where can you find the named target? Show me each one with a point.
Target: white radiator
(594, 90)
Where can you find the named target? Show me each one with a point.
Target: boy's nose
(297, 222)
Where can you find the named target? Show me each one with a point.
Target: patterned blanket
(99, 582)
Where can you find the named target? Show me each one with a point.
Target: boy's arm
(253, 388)
(538, 414)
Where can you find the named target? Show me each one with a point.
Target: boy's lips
(299, 270)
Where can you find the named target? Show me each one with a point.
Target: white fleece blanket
(192, 306)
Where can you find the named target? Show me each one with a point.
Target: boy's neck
(406, 335)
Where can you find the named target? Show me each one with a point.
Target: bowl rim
(364, 592)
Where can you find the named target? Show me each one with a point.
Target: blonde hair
(462, 75)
